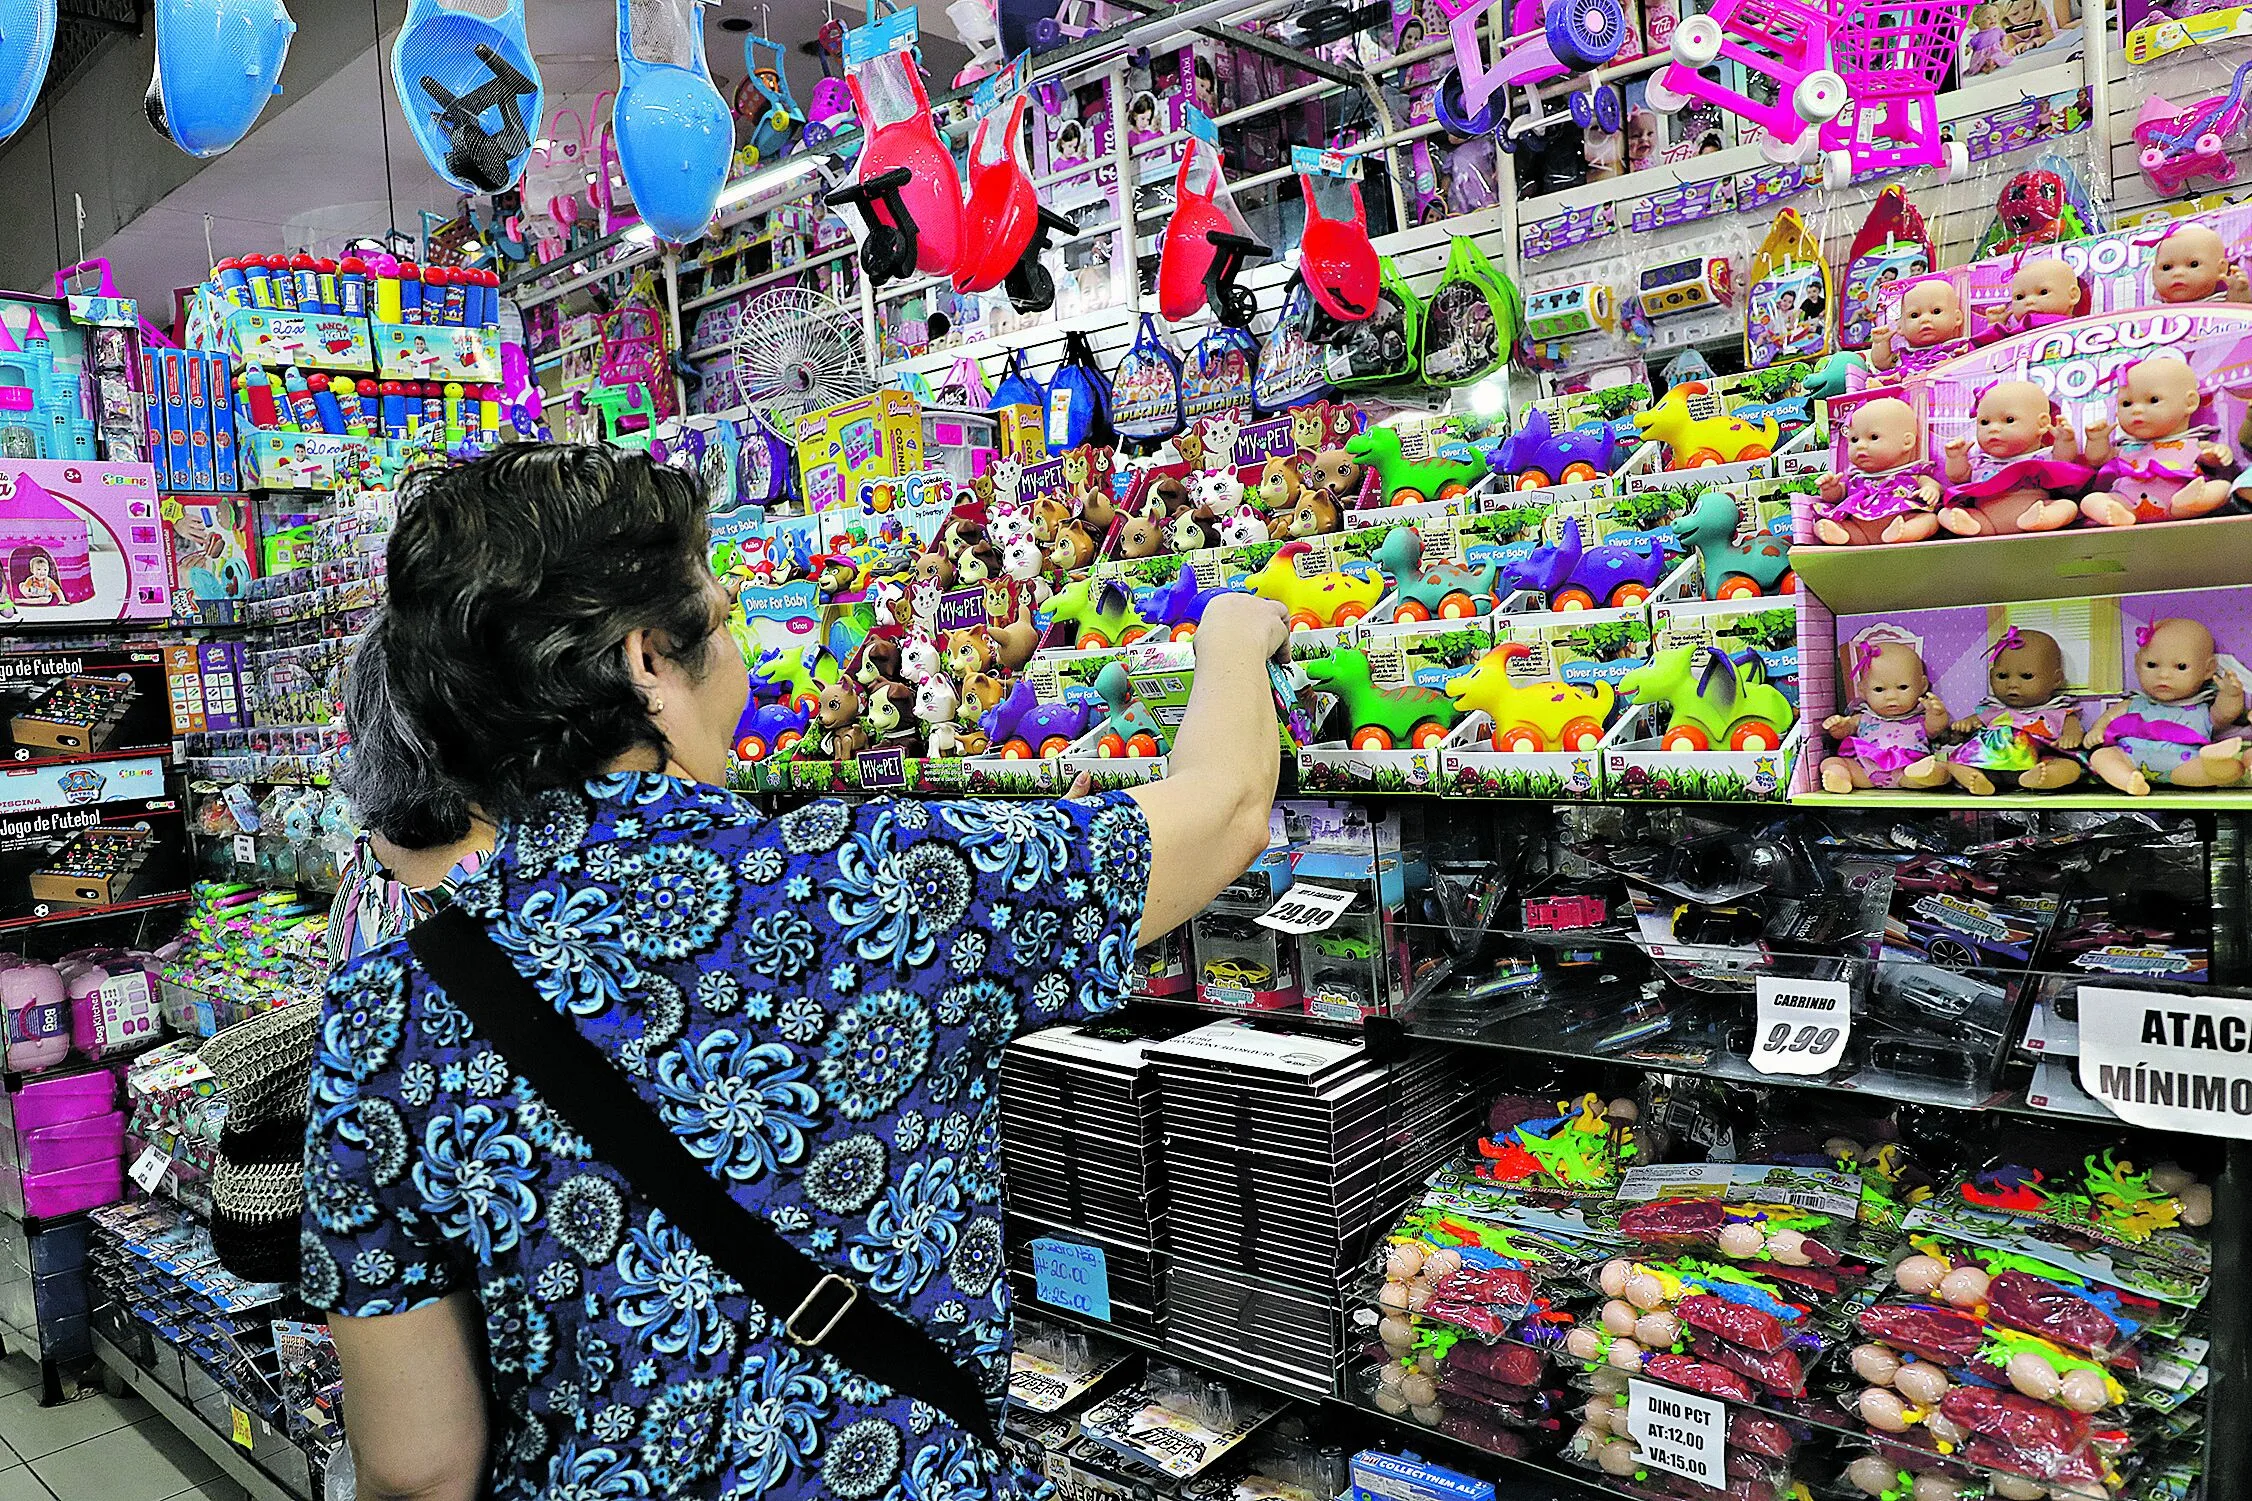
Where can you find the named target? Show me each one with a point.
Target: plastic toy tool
(469, 85)
(778, 123)
(27, 42)
(1334, 253)
(674, 133)
(1008, 228)
(1206, 244)
(217, 63)
(905, 184)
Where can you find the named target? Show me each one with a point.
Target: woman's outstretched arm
(1208, 818)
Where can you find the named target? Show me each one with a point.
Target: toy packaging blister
(1787, 304)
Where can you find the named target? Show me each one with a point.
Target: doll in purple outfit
(2165, 731)
(2043, 290)
(1889, 491)
(1887, 743)
(1927, 329)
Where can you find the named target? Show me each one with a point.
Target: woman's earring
(656, 706)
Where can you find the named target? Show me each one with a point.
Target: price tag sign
(1678, 1432)
(1307, 908)
(2168, 1060)
(241, 1421)
(1803, 1025)
(1066, 1274)
(246, 849)
(149, 1168)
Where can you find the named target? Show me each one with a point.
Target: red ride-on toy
(905, 184)
(1007, 227)
(1206, 244)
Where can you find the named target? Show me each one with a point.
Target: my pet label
(1679, 1433)
(1803, 1025)
(1306, 908)
(2168, 1060)
(1066, 1274)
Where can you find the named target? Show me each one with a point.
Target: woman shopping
(666, 1162)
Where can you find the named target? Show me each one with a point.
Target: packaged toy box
(85, 836)
(62, 705)
(80, 543)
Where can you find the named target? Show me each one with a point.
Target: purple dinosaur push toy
(1018, 728)
(1577, 578)
(1179, 606)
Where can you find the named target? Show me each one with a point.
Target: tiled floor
(97, 1448)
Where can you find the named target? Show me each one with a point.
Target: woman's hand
(1242, 623)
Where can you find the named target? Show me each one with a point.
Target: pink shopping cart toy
(1784, 41)
(1893, 56)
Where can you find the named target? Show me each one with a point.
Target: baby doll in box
(2043, 290)
(2157, 470)
(2027, 719)
(1887, 743)
(2007, 479)
(1888, 491)
(2166, 730)
(2191, 264)
(1927, 329)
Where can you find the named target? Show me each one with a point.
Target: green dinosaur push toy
(1732, 571)
(1716, 702)
(1416, 468)
(1382, 718)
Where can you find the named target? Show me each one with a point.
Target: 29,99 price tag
(1803, 1025)
(1306, 908)
(1678, 1432)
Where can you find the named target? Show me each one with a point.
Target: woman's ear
(642, 664)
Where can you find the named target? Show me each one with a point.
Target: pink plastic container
(113, 1002)
(74, 1188)
(38, 1016)
(42, 1103)
(99, 1138)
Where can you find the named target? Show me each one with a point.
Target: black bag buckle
(851, 1296)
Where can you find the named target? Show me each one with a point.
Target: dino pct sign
(2168, 1060)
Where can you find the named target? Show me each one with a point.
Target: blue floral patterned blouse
(816, 1003)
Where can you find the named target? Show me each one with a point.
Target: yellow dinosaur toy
(1537, 716)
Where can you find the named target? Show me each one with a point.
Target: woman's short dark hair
(513, 583)
(391, 774)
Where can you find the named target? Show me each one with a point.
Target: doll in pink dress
(1888, 742)
(1888, 492)
(2157, 471)
(2007, 480)
(2043, 290)
(1926, 330)
(2172, 728)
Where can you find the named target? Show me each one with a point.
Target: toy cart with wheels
(1548, 39)
(1893, 56)
(1786, 41)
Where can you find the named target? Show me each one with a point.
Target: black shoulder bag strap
(826, 1309)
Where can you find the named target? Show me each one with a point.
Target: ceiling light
(785, 171)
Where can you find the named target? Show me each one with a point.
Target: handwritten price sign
(1803, 1025)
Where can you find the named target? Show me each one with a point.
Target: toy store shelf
(87, 914)
(1956, 104)
(2215, 800)
(558, 356)
(2212, 553)
(1525, 1034)
(230, 1457)
(768, 278)
(83, 758)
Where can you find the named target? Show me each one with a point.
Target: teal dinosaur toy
(1382, 718)
(1442, 590)
(1443, 470)
(1715, 701)
(1733, 571)
(1128, 728)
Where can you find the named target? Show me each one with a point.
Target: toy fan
(674, 134)
(1010, 227)
(1206, 244)
(905, 183)
(796, 352)
(468, 84)
(27, 41)
(1334, 253)
(217, 63)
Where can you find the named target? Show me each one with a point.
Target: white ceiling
(314, 172)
